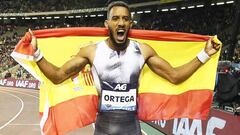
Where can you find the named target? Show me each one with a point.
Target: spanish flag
(74, 103)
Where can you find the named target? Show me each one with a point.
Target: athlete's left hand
(211, 47)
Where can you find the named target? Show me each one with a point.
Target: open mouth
(120, 34)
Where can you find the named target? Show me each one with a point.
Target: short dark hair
(117, 3)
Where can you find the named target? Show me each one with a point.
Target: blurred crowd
(9, 37)
(8, 40)
(207, 21)
(214, 20)
(22, 6)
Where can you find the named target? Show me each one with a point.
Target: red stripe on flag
(87, 78)
(84, 78)
(91, 77)
(141, 34)
(68, 115)
(23, 46)
(193, 104)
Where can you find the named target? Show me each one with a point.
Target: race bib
(118, 96)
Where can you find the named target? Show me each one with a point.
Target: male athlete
(116, 63)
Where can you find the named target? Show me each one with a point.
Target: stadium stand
(211, 19)
(21, 6)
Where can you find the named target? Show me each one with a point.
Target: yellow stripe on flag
(178, 53)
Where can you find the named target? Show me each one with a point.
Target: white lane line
(143, 132)
(23, 124)
(21, 93)
(93, 125)
(27, 90)
(13, 118)
(21, 89)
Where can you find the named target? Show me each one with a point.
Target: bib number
(116, 96)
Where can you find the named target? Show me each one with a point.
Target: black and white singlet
(116, 76)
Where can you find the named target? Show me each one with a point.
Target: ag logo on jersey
(115, 86)
(121, 87)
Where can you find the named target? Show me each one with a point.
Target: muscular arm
(70, 68)
(173, 74)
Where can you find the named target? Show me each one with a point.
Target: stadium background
(207, 17)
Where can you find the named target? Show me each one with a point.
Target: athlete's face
(118, 23)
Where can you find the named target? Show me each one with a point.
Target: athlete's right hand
(34, 40)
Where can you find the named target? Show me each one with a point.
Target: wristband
(203, 56)
(37, 55)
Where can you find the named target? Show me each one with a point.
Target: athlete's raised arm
(70, 68)
(176, 74)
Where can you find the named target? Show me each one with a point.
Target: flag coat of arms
(74, 103)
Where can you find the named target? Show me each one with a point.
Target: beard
(117, 45)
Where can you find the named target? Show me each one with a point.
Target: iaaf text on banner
(219, 122)
(19, 83)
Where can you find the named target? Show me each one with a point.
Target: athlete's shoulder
(87, 50)
(147, 50)
(145, 47)
(140, 44)
(90, 47)
(132, 41)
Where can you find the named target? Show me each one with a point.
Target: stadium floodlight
(70, 16)
(56, 17)
(164, 10)
(100, 15)
(43, 17)
(92, 15)
(139, 12)
(212, 4)
(220, 3)
(173, 9)
(34, 18)
(157, 10)
(147, 11)
(200, 6)
(27, 18)
(189, 7)
(230, 2)
(132, 13)
(48, 17)
(183, 7)
(86, 15)
(78, 16)
(13, 18)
